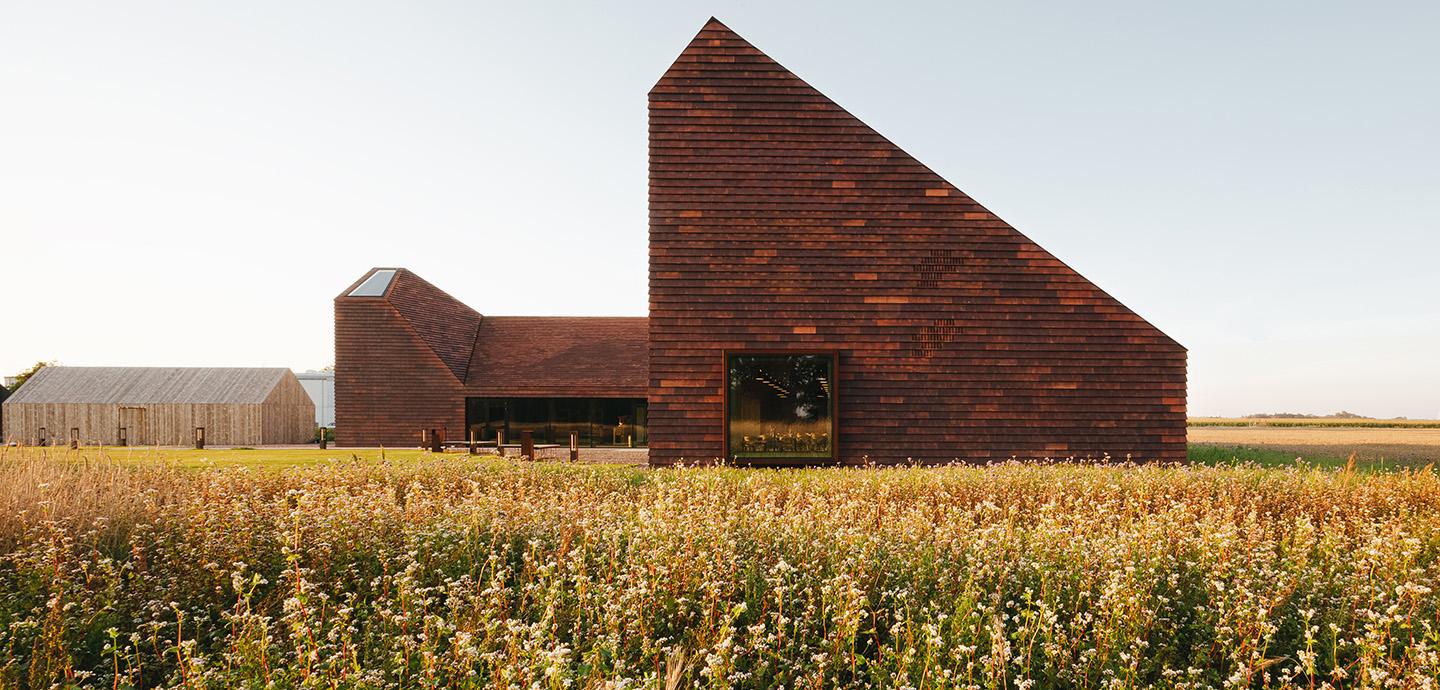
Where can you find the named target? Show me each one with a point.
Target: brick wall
(778, 220)
(390, 381)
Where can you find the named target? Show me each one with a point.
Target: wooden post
(500, 442)
(124, 436)
(473, 449)
(74, 438)
(574, 446)
(435, 446)
(199, 438)
(324, 440)
(43, 441)
(527, 445)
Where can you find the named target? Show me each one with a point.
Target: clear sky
(191, 183)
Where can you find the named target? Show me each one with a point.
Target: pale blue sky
(190, 183)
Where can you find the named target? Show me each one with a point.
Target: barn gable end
(779, 220)
(283, 414)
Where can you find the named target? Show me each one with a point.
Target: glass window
(532, 415)
(780, 406)
(621, 422)
(375, 285)
(597, 421)
(572, 416)
(485, 418)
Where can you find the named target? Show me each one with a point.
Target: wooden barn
(817, 295)
(160, 406)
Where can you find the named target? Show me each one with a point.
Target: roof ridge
(150, 385)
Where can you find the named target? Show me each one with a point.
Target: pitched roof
(146, 385)
(515, 355)
(561, 356)
(445, 324)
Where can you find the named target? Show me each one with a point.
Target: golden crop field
(487, 573)
(1405, 445)
(1337, 422)
(1315, 422)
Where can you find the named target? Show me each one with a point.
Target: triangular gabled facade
(816, 295)
(779, 221)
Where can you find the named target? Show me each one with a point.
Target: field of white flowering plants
(493, 574)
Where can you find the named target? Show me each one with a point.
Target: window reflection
(595, 421)
(780, 405)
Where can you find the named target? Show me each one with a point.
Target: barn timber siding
(287, 415)
(161, 406)
(779, 220)
(398, 363)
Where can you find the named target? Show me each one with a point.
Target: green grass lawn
(1236, 455)
(1266, 457)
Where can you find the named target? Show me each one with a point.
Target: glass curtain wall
(597, 421)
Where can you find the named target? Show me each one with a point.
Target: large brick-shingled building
(816, 295)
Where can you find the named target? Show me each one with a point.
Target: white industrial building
(321, 387)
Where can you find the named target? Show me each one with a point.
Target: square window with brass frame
(780, 405)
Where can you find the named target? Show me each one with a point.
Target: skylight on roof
(375, 285)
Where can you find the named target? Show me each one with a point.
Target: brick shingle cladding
(778, 220)
(406, 361)
(444, 323)
(560, 356)
(396, 362)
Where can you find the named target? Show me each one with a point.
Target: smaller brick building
(409, 357)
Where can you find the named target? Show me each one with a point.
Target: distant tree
(328, 369)
(24, 376)
(1298, 415)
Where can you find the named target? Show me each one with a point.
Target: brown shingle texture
(779, 220)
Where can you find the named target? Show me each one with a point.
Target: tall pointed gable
(779, 140)
(778, 219)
